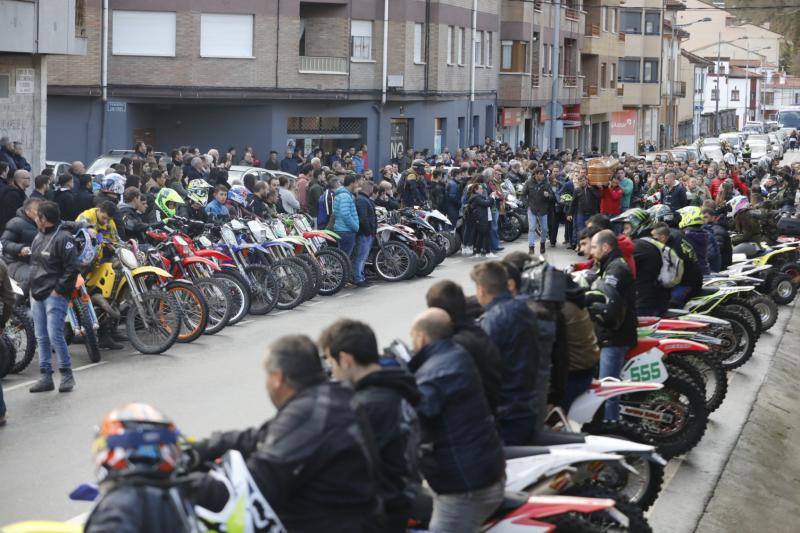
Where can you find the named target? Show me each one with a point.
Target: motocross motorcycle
(20, 332)
(445, 228)
(395, 253)
(761, 299)
(335, 266)
(783, 280)
(434, 251)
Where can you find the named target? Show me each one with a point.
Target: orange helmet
(136, 439)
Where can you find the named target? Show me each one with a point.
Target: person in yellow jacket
(101, 220)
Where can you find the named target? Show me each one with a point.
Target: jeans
(467, 238)
(48, 322)
(465, 512)
(362, 251)
(518, 431)
(494, 238)
(580, 225)
(347, 241)
(612, 359)
(533, 221)
(577, 383)
(2, 403)
(680, 293)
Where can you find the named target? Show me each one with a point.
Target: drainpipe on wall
(104, 77)
(384, 73)
(472, 70)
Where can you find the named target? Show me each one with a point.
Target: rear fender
(522, 472)
(200, 260)
(669, 346)
(321, 234)
(213, 254)
(585, 406)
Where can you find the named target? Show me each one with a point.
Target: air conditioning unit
(394, 80)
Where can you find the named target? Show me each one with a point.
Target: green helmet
(566, 198)
(197, 191)
(636, 217)
(167, 201)
(691, 215)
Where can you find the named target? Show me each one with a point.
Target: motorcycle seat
(511, 501)
(555, 438)
(516, 452)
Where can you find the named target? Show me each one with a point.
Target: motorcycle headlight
(127, 258)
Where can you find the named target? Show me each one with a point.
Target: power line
(707, 8)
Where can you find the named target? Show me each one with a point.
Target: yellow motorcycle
(124, 289)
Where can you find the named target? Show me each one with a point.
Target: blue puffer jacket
(344, 209)
(511, 325)
(461, 451)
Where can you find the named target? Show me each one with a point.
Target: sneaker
(492, 255)
(363, 283)
(44, 384)
(499, 249)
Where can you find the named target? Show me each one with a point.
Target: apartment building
(690, 109)
(734, 88)
(529, 77)
(279, 73)
(31, 33)
(603, 45)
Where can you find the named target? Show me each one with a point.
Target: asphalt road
(213, 383)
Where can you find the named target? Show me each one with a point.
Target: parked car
(758, 148)
(664, 157)
(112, 157)
(777, 145)
(712, 152)
(59, 167)
(754, 127)
(692, 152)
(237, 173)
(734, 139)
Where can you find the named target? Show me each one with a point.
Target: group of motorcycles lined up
(189, 278)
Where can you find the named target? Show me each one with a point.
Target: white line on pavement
(77, 369)
(246, 321)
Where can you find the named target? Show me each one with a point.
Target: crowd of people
(342, 458)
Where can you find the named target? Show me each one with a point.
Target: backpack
(671, 272)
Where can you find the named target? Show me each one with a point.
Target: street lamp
(671, 73)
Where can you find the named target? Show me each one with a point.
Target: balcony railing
(621, 37)
(534, 80)
(570, 81)
(620, 90)
(323, 65)
(679, 88)
(537, 5)
(572, 14)
(592, 30)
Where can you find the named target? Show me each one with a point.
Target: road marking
(79, 519)
(279, 313)
(246, 321)
(26, 383)
(345, 294)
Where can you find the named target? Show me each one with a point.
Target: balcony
(590, 90)
(596, 102)
(572, 14)
(621, 37)
(592, 30)
(678, 89)
(570, 89)
(323, 65)
(620, 90)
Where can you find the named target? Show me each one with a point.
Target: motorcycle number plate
(204, 241)
(645, 367)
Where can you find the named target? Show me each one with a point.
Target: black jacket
(486, 357)
(367, 221)
(312, 462)
(54, 263)
(84, 200)
(129, 508)
(187, 211)
(387, 398)
(461, 451)
(675, 198)
(133, 224)
(67, 204)
(723, 238)
(19, 233)
(511, 325)
(692, 275)
(11, 199)
(586, 201)
(534, 192)
(615, 323)
(412, 192)
(649, 291)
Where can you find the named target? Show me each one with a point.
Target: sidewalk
(759, 489)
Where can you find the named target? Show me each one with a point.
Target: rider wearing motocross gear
(196, 200)
(745, 224)
(314, 462)
(716, 224)
(167, 202)
(132, 211)
(691, 223)
(386, 396)
(137, 451)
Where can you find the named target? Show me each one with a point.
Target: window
(652, 22)
(612, 82)
(143, 33)
(650, 71)
(547, 55)
(361, 40)
(629, 70)
(769, 98)
(603, 75)
(418, 44)
(478, 40)
(613, 24)
(631, 21)
(734, 95)
(515, 56)
(439, 134)
(604, 17)
(487, 47)
(226, 35)
(460, 46)
(796, 98)
(451, 45)
(5, 84)
(715, 94)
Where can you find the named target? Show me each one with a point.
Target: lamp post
(673, 65)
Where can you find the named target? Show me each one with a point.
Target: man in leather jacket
(386, 396)
(132, 213)
(511, 325)
(314, 461)
(612, 303)
(17, 239)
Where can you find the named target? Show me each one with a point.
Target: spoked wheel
(395, 261)
(239, 292)
(312, 273)
(264, 289)
(90, 340)
(193, 310)
(711, 371)
(19, 329)
(603, 519)
(426, 263)
(219, 304)
(509, 229)
(333, 274)
(445, 243)
(675, 417)
(292, 280)
(346, 258)
(154, 326)
(766, 308)
(747, 312)
(439, 252)
(738, 343)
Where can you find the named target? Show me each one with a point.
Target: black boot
(106, 341)
(541, 248)
(532, 250)
(45, 383)
(117, 335)
(67, 380)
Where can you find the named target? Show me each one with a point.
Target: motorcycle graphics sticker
(647, 366)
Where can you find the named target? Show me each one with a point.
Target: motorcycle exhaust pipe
(100, 301)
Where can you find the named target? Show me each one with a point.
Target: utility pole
(555, 71)
(671, 86)
(716, 68)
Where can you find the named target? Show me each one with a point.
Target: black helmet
(543, 282)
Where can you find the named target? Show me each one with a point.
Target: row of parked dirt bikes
(186, 278)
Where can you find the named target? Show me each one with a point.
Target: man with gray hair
(314, 461)
(462, 457)
(196, 169)
(7, 154)
(13, 196)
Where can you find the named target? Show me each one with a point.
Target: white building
(732, 87)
